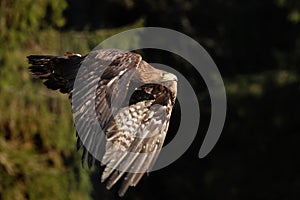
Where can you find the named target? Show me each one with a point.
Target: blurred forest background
(255, 44)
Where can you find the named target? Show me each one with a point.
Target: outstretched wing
(99, 91)
(97, 83)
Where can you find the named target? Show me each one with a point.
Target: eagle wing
(100, 89)
(98, 84)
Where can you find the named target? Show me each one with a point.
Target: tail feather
(59, 72)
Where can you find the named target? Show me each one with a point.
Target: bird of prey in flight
(132, 101)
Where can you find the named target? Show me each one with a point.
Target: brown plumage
(133, 102)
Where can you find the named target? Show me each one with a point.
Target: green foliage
(38, 159)
(20, 19)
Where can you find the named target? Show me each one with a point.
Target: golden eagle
(140, 122)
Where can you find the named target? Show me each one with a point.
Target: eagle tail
(59, 72)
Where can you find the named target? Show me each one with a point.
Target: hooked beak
(169, 77)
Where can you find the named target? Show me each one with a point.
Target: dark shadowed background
(256, 46)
